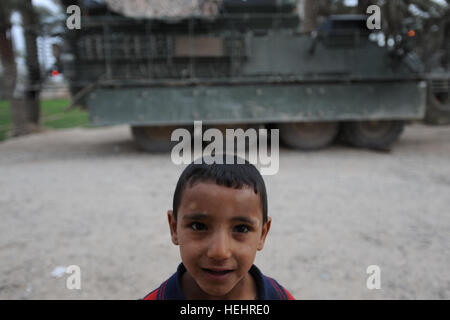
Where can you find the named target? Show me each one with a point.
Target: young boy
(219, 220)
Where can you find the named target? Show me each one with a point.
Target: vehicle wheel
(244, 126)
(308, 135)
(372, 134)
(155, 138)
(438, 106)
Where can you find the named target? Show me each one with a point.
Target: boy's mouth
(219, 273)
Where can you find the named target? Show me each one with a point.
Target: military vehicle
(438, 76)
(242, 64)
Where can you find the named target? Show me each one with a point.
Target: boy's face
(219, 230)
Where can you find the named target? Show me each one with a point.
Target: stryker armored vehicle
(236, 63)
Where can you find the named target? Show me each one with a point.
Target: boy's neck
(245, 289)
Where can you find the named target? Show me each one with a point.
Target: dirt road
(86, 197)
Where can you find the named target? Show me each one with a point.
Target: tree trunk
(7, 55)
(20, 117)
(31, 23)
(25, 107)
(7, 58)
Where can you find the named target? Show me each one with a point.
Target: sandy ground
(86, 197)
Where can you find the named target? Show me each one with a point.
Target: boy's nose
(219, 247)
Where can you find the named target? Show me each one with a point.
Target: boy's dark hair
(235, 175)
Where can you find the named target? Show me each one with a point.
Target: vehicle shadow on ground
(118, 142)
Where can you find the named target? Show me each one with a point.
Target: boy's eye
(242, 228)
(197, 226)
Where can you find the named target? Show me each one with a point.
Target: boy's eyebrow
(246, 220)
(200, 216)
(195, 216)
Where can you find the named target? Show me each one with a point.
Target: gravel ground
(86, 197)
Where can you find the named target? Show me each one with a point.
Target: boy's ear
(265, 231)
(173, 227)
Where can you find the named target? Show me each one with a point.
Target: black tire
(438, 107)
(378, 135)
(155, 138)
(223, 127)
(308, 135)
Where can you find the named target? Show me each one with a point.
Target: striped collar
(268, 288)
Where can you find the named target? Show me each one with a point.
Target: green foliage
(5, 119)
(53, 115)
